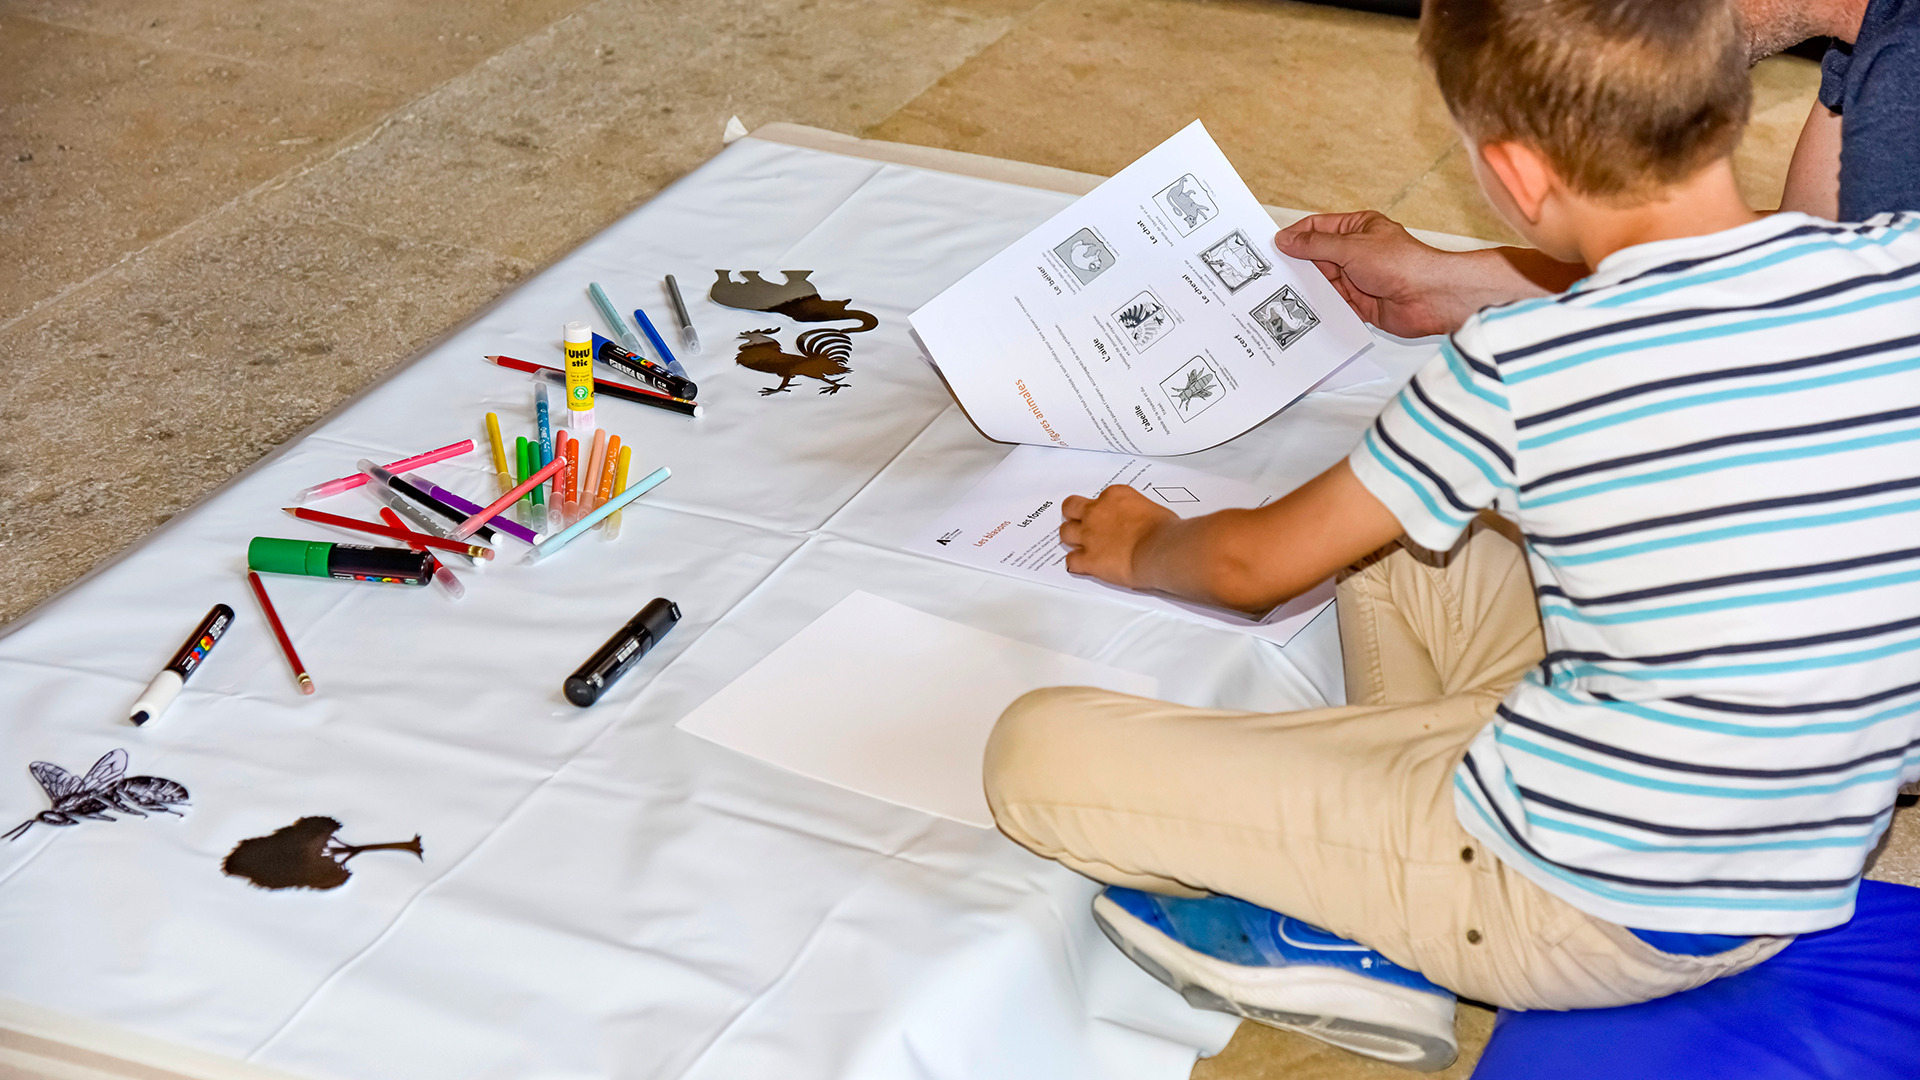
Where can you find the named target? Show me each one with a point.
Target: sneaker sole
(1388, 1023)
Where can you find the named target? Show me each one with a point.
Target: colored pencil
(412, 538)
(611, 389)
(280, 633)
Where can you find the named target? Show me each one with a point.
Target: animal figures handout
(103, 792)
(824, 353)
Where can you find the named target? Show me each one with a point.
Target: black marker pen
(642, 370)
(622, 651)
(166, 685)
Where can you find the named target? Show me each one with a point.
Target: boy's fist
(1106, 533)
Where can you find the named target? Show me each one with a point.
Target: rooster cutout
(823, 352)
(823, 356)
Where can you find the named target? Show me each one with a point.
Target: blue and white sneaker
(1230, 956)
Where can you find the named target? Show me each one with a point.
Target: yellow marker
(501, 472)
(580, 376)
(619, 485)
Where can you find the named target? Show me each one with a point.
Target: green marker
(520, 445)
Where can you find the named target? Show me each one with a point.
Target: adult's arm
(1409, 288)
(1813, 176)
(1245, 560)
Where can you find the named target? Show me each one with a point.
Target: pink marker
(348, 483)
(476, 522)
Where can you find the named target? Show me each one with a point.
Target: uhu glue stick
(579, 376)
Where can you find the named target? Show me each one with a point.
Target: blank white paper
(883, 699)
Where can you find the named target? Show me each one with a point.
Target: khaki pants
(1342, 817)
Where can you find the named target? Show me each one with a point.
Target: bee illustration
(1200, 385)
(105, 790)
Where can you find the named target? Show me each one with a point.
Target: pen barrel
(639, 369)
(621, 652)
(191, 653)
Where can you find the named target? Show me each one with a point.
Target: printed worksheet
(1010, 523)
(1154, 316)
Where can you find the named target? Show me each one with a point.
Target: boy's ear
(1523, 172)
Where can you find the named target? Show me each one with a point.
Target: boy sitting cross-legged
(1647, 764)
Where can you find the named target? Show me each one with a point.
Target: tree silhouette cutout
(304, 855)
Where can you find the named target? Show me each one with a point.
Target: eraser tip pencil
(280, 634)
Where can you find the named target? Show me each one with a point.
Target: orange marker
(609, 465)
(573, 479)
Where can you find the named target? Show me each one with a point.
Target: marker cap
(272, 555)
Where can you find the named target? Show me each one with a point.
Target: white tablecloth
(602, 895)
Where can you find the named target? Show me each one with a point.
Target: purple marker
(511, 528)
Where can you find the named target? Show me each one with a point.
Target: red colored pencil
(412, 538)
(280, 632)
(612, 389)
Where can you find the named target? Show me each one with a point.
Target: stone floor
(222, 218)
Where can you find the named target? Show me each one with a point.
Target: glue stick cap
(272, 555)
(578, 333)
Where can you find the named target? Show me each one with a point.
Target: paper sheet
(1153, 316)
(883, 699)
(1010, 523)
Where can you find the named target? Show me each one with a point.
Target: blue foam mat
(1842, 1004)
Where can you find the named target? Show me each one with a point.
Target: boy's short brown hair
(1622, 97)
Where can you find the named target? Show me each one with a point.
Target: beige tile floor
(230, 216)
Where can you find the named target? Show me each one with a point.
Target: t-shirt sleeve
(1443, 449)
(1879, 167)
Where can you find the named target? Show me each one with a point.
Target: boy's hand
(1107, 532)
(1242, 560)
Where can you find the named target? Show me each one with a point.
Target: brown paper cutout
(796, 298)
(304, 855)
(823, 355)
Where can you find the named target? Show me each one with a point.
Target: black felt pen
(381, 476)
(621, 652)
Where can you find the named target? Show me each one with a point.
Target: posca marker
(642, 370)
(346, 562)
(166, 685)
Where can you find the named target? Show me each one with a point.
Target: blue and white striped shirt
(1712, 446)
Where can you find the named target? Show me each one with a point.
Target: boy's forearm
(1254, 560)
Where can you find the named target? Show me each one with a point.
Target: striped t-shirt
(1712, 446)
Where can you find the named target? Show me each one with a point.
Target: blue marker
(666, 355)
(545, 451)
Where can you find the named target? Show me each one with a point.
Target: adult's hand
(1408, 288)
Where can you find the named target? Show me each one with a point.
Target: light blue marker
(544, 417)
(627, 339)
(560, 539)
